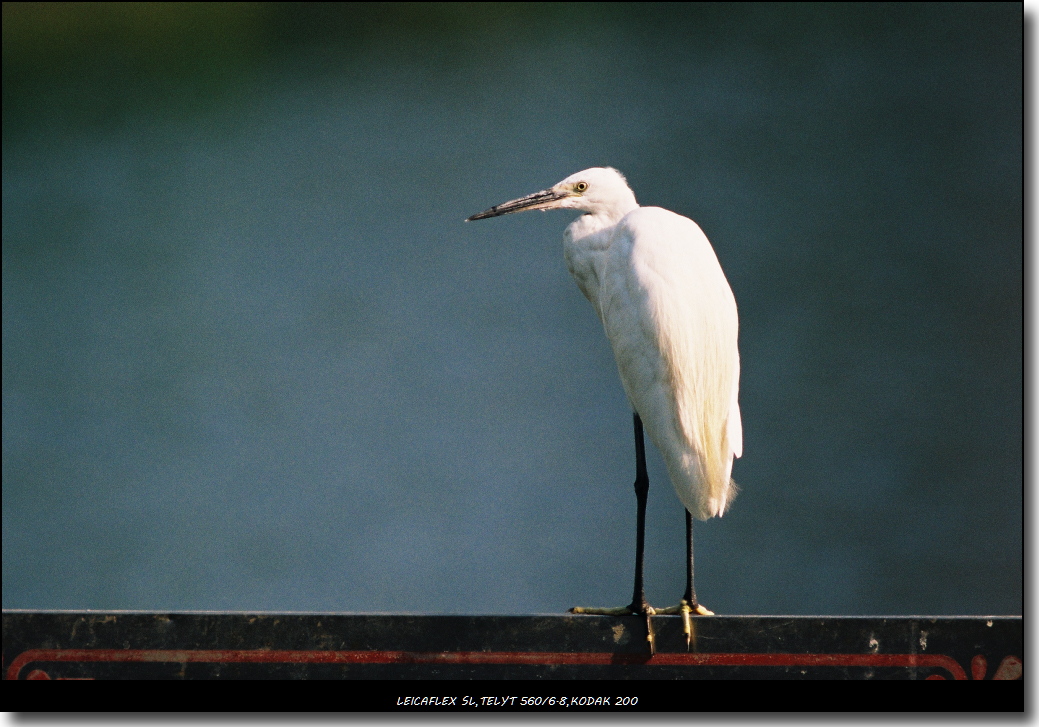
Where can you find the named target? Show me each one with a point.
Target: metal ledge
(192, 645)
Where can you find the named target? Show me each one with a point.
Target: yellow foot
(685, 610)
(619, 611)
(675, 610)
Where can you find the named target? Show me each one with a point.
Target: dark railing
(192, 645)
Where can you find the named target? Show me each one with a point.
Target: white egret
(664, 302)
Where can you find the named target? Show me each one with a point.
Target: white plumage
(671, 319)
(670, 316)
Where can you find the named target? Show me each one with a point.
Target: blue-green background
(254, 359)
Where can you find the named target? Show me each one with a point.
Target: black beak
(538, 200)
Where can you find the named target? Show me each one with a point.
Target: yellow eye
(581, 186)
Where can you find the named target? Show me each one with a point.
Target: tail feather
(706, 492)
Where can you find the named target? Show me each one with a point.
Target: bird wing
(671, 318)
(735, 424)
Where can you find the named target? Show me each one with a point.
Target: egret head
(599, 190)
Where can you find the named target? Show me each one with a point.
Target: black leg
(690, 592)
(639, 605)
(688, 605)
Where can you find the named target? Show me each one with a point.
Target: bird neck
(586, 230)
(585, 244)
(597, 220)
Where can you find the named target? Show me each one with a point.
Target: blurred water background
(254, 359)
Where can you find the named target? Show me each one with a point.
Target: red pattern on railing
(1009, 668)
